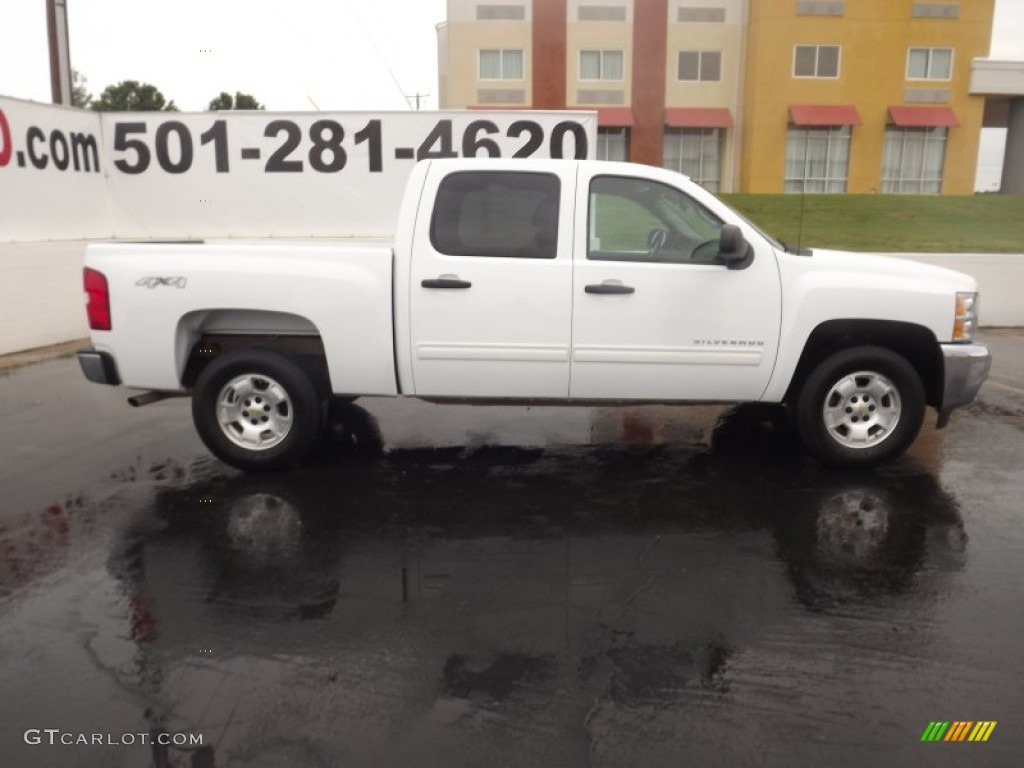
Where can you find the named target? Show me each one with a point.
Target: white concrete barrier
(1000, 279)
(41, 296)
(42, 303)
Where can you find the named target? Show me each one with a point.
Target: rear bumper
(966, 368)
(98, 367)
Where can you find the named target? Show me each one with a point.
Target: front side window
(816, 61)
(501, 64)
(600, 65)
(817, 159)
(930, 64)
(497, 213)
(913, 160)
(697, 152)
(697, 66)
(640, 220)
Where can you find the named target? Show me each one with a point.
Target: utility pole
(60, 51)
(418, 96)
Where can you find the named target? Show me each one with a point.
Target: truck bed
(165, 297)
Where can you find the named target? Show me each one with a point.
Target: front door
(656, 317)
(491, 288)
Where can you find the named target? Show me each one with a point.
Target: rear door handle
(446, 282)
(610, 288)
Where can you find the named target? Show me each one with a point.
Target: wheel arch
(203, 335)
(915, 343)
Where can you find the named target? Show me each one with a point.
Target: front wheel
(256, 409)
(860, 407)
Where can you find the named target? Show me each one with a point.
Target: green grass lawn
(975, 224)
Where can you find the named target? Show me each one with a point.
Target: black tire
(285, 415)
(875, 401)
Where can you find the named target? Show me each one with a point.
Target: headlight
(966, 319)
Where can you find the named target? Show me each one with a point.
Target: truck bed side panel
(163, 297)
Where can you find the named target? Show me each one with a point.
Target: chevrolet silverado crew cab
(542, 282)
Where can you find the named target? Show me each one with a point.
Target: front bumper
(98, 367)
(966, 368)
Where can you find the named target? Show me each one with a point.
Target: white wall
(1000, 282)
(41, 297)
(69, 174)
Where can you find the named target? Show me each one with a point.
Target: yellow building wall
(598, 36)
(875, 36)
(464, 41)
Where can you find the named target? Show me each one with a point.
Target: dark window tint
(497, 213)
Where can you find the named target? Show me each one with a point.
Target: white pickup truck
(543, 282)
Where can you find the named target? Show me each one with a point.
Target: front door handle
(446, 282)
(610, 288)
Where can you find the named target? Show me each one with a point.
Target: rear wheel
(860, 407)
(257, 409)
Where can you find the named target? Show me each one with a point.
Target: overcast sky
(334, 54)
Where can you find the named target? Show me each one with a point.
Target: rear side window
(497, 213)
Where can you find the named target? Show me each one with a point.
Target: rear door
(491, 281)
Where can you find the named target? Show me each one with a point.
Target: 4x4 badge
(156, 282)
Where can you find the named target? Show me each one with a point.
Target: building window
(820, 8)
(700, 66)
(697, 152)
(816, 61)
(913, 160)
(935, 10)
(817, 159)
(600, 65)
(500, 13)
(702, 15)
(613, 144)
(930, 64)
(601, 13)
(501, 64)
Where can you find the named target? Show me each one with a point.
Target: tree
(239, 101)
(132, 96)
(80, 96)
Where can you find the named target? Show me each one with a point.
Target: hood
(892, 266)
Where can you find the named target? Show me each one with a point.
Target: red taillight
(98, 306)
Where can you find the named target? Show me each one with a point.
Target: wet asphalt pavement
(458, 586)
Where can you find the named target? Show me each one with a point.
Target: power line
(380, 54)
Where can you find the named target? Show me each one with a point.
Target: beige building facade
(741, 95)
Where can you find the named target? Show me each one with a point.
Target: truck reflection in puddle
(507, 577)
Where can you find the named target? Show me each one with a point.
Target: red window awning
(615, 117)
(698, 117)
(826, 114)
(923, 117)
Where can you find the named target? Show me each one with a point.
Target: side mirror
(733, 249)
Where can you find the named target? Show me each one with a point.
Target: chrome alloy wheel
(254, 411)
(862, 409)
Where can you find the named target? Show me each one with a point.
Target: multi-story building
(742, 95)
